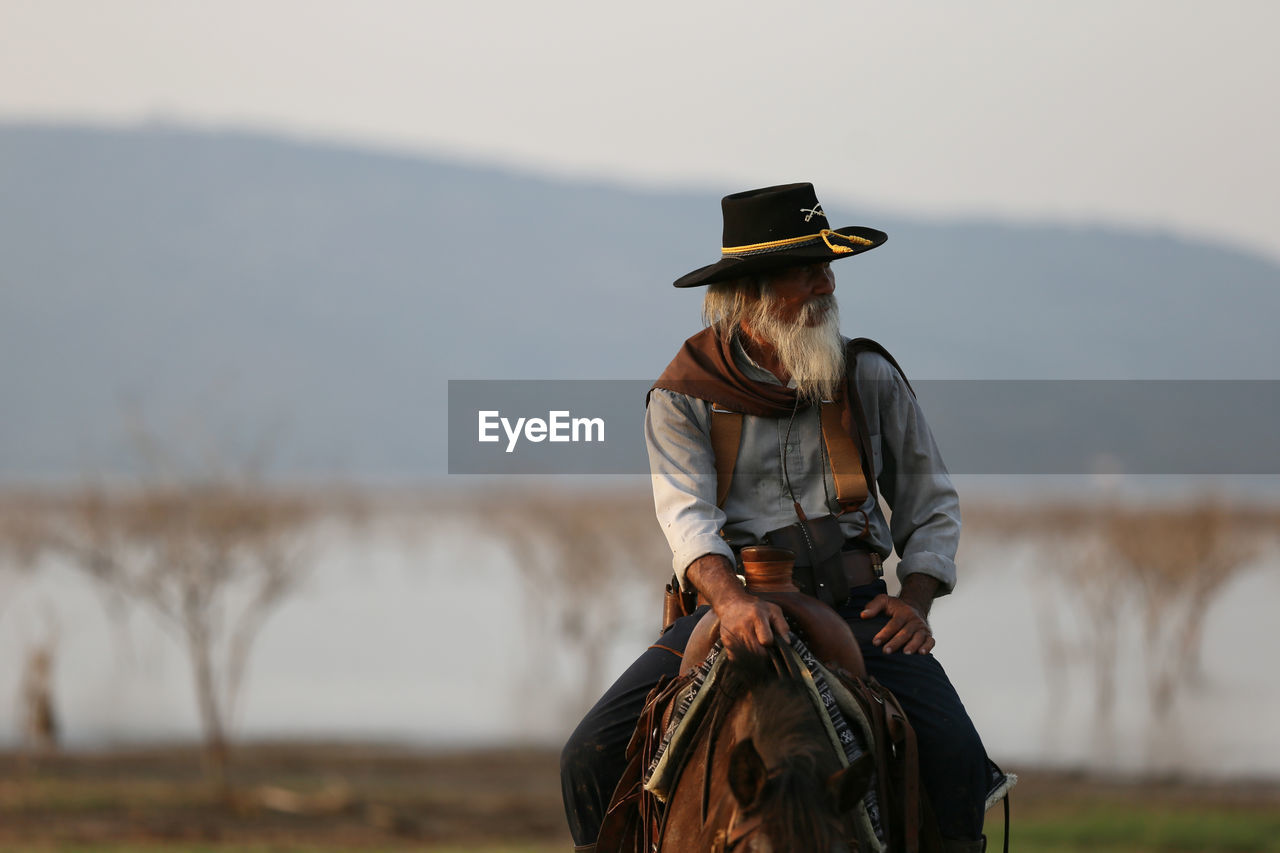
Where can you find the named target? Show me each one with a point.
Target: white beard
(812, 354)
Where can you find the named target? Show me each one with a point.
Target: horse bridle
(729, 837)
(732, 835)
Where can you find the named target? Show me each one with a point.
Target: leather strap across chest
(845, 460)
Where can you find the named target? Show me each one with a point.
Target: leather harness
(842, 453)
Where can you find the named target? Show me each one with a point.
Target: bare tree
(211, 559)
(1179, 561)
(22, 541)
(23, 536)
(1077, 595)
(40, 730)
(583, 557)
(1157, 568)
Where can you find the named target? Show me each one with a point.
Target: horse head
(790, 792)
(762, 772)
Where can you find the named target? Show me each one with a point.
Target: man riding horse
(770, 427)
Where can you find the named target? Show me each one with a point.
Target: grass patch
(1110, 829)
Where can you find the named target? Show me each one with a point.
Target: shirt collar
(750, 368)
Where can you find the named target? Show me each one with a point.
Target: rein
(733, 834)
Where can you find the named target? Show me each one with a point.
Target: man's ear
(846, 787)
(747, 773)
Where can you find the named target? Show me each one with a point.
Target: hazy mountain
(235, 286)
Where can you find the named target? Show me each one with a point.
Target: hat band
(824, 235)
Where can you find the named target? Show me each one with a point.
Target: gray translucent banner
(1219, 427)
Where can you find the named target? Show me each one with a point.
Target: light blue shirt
(925, 510)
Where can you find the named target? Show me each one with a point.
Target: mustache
(816, 308)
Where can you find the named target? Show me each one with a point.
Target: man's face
(798, 319)
(798, 293)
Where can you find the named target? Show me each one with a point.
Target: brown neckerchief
(704, 368)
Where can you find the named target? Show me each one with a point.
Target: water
(397, 637)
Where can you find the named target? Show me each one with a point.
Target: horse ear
(747, 772)
(848, 786)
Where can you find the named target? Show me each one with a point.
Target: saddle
(768, 576)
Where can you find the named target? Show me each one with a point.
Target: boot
(958, 845)
(585, 848)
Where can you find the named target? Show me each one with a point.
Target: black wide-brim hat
(778, 227)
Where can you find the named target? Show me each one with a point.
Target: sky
(1158, 114)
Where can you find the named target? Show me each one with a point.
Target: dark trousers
(953, 762)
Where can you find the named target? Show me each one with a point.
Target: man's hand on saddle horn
(747, 623)
(908, 627)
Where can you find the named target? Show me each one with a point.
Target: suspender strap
(726, 436)
(846, 466)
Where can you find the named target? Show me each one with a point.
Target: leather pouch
(676, 603)
(819, 567)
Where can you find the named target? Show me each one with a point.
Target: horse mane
(786, 725)
(795, 746)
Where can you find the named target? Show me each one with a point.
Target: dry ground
(322, 796)
(336, 797)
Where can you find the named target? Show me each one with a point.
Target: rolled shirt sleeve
(925, 519)
(677, 433)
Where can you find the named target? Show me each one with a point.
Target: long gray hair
(725, 306)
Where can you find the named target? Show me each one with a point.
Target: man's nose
(823, 281)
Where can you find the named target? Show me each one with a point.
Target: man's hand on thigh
(908, 627)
